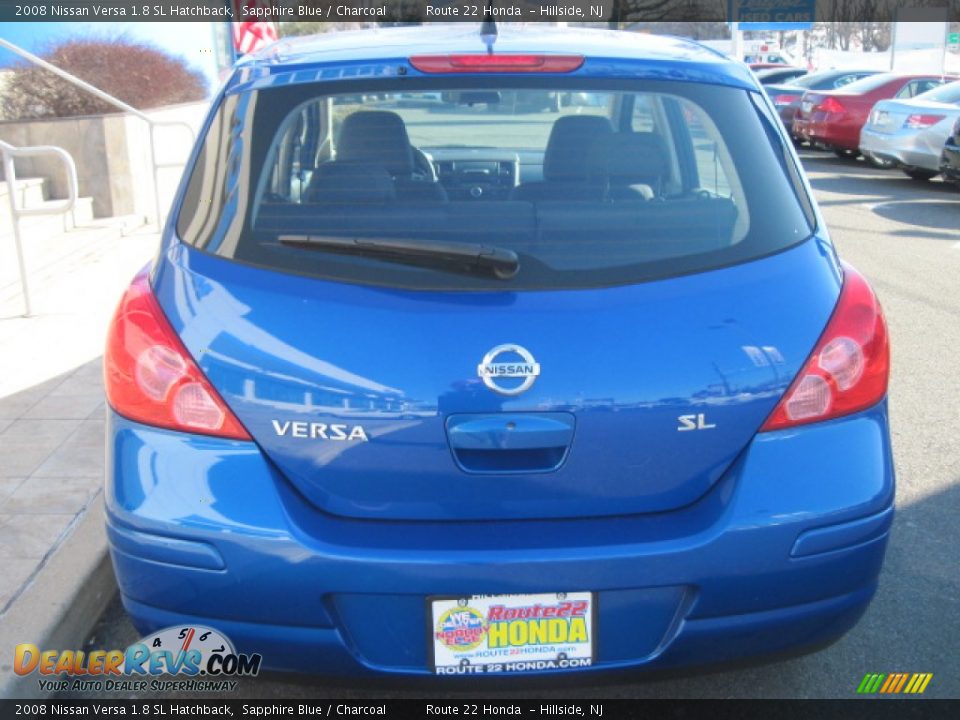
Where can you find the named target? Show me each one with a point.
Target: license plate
(512, 633)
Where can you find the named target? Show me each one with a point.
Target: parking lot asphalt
(905, 237)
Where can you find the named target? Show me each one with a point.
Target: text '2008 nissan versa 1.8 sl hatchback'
(525, 358)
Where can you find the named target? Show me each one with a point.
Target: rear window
(828, 80)
(582, 183)
(869, 84)
(949, 93)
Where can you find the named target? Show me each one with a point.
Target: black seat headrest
(632, 158)
(378, 137)
(566, 156)
(350, 183)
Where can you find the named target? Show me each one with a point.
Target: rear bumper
(784, 552)
(786, 113)
(909, 148)
(950, 161)
(831, 131)
(798, 127)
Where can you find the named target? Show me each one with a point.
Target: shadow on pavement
(911, 233)
(51, 468)
(882, 183)
(937, 214)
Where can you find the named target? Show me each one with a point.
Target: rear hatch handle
(510, 442)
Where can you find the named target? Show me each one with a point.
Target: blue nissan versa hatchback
(534, 358)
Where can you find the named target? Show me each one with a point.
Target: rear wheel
(846, 154)
(921, 174)
(881, 163)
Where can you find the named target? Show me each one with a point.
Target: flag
(248, 37)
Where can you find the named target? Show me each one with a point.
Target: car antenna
(488, 29)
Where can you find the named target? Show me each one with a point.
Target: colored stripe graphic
(891, 681)
(894, 683)
(918, 683)
(870, 683)
(903, 680)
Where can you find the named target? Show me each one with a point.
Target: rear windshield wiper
(501, 263)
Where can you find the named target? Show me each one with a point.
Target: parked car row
(895, 120)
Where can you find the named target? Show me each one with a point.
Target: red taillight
(918, 122)
(831, 105)
(785, 99)
(496, 63)
(849, 367)
(151, 378)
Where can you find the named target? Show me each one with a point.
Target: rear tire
(919, 174)
(846, 154)
(881, 164)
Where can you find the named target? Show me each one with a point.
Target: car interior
(593, 189)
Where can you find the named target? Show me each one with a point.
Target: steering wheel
(423, 169)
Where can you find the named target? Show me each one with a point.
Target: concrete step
(51, 254)
(32, 225)
(28, 191)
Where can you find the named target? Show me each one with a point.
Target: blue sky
(193, 41)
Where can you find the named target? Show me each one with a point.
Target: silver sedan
(910, 133)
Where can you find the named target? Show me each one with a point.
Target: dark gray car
(779, 75)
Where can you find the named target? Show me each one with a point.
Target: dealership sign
(772, 15)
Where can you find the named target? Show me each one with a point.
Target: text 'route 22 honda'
(466, 357)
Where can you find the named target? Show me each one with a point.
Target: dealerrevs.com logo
(203, 658)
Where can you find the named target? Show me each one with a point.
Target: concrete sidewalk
(52, 547)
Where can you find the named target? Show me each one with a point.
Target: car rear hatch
(662, 295)
(371, 402)
(890, 116)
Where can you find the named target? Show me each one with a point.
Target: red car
(833, 118)
(767, 65)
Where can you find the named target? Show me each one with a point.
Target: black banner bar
(473, 709)
(424, 11)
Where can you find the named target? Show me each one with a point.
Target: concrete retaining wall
(112, 154)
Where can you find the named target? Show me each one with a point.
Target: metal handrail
(17, 211)
(108, 98)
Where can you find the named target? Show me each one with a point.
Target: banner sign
(441, 702)
(784, 14)
(770, 15)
